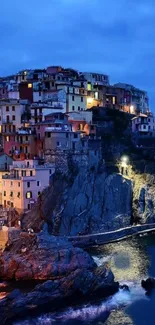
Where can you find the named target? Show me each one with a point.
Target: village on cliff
(49, 114)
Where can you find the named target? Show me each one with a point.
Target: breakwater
(111, 236)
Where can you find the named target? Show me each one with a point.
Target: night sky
(116, 37)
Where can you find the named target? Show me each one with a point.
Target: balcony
(57, 129)
(12, 177)
(5, 121)
(21, 178)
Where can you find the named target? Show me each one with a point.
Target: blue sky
(116, 37)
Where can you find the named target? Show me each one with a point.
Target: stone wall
(3, 237)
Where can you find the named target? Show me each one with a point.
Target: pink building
(24, 183)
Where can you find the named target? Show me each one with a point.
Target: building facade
(24, 183)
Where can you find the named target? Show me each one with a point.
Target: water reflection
(128, 259)
(118, 318)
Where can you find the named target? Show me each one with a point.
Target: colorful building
(24, 183)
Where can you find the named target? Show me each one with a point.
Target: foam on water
(90, 312)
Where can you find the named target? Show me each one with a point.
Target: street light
(125, 159)
(124, 164)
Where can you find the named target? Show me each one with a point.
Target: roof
(139, 115)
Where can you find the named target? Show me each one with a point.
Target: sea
(131, 261)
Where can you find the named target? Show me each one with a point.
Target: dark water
(131, 261)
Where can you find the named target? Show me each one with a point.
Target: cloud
(115, 37)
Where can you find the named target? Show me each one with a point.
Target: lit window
(28, 195)
(96, 95)
(89, 86)
(25, 73)
(7, 138)
(29, 85)
(114, 100)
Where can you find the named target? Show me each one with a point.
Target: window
(50, 171)
(31, 173)
(28, 206)
(13, 117)
(39, 93)
(39, 193)
(114, 100)
(7, 138)
(8, 118)
(4, 193)
(144, 126)
(29, 85)
(48, 134)
(28, 184)
(81, 99)
(11, 204)
(38, 183)
(14, 128)
(73, 108)
(149, 127)
(28, 195)
(7, 108)
(11, 184)
(78, 108)
(18, 184)
(13, 108)
(89, 86)
(18, 195)
(23, 173)
(73, 98)
(75, 135)
(66, 135)
(58, 144)
(11, 194)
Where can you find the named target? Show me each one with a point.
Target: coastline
(111, 236)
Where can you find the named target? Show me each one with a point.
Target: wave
(90, 312)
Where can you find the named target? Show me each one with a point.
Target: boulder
(148, 284)
(68, 273)
(46, 257)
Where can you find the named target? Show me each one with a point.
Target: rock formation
(67, 272)
(94, 201)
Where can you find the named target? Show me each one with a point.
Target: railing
(11, 177)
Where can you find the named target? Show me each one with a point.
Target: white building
(143, 123)
(96, 78)
(10, 113)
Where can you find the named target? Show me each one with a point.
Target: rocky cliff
(92, 201)
(96, 199)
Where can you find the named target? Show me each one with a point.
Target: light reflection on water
(129, 261)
